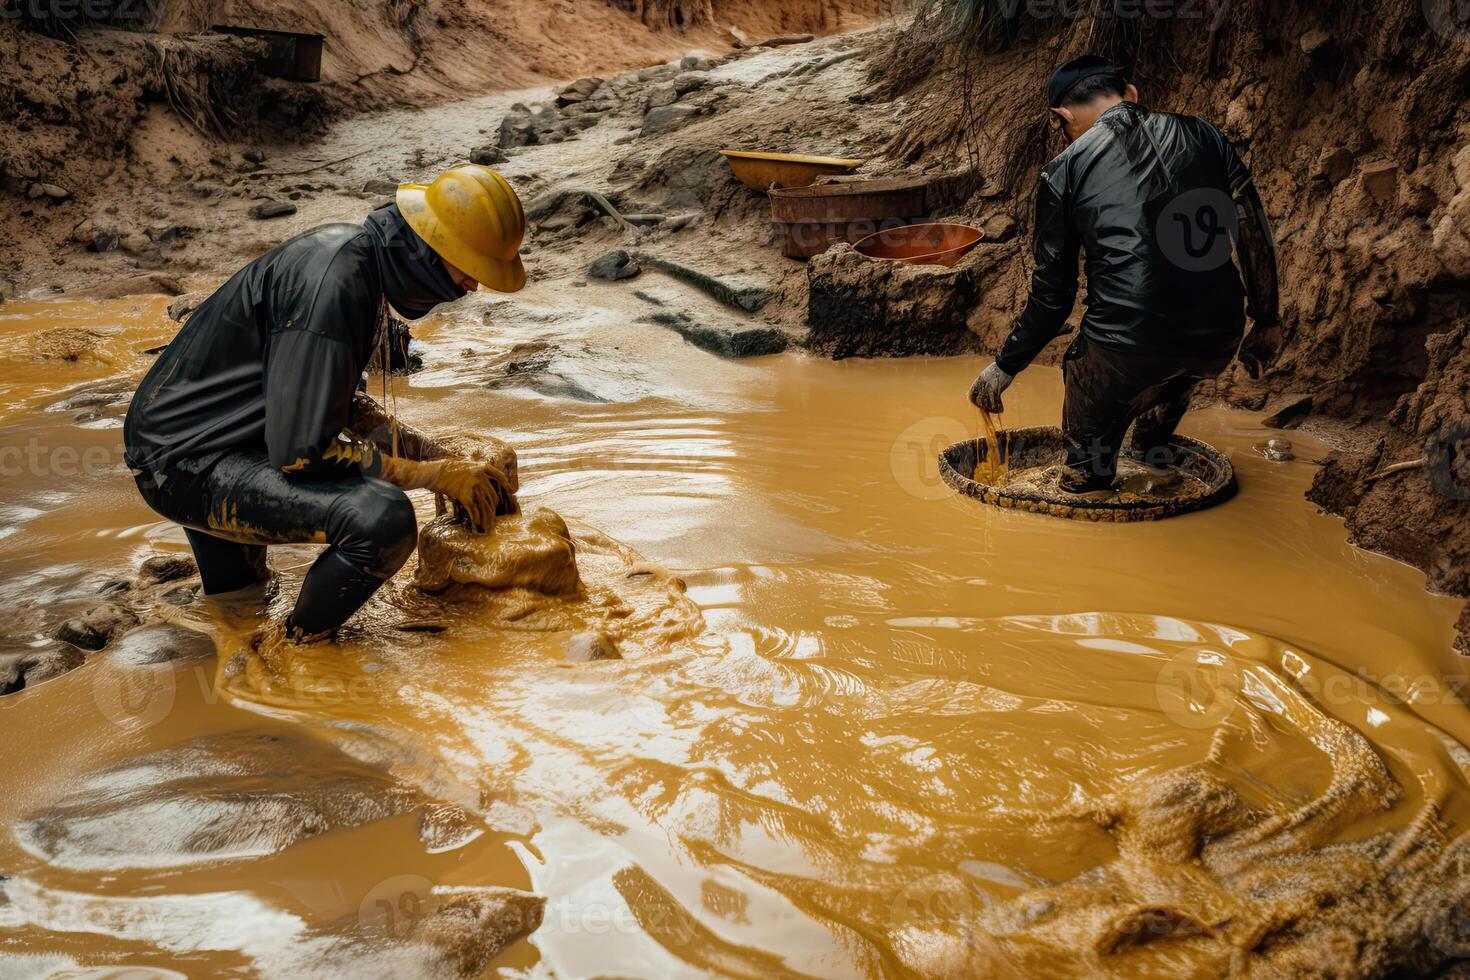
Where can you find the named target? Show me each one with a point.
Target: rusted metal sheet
(811, 219)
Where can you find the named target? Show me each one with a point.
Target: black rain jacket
(271, 360)
(1148, 197)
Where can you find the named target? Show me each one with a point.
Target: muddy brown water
(901, 734)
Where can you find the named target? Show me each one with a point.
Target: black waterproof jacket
(1147, 196)
(271, 360)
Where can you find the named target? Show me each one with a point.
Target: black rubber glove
(986, 391)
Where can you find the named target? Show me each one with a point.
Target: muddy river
(880, 730)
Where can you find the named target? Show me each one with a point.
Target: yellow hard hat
(472, 218)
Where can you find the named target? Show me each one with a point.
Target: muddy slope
(1352, 118)
(90, 115)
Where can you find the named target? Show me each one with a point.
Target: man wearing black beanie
(1158, 203)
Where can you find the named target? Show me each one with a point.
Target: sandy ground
(677, 174)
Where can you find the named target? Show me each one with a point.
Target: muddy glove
(986, 391)
(479, 489)
(1261, 347)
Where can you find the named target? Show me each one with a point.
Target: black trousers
(1107, 391)
(233, 507)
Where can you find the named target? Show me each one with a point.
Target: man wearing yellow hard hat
(237, 431)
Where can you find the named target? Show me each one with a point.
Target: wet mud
(745, 690)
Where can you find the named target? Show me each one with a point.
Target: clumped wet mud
(531, 551)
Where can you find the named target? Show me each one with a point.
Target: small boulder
(662, 95)
(380, 186)
(99, 233)
(52, 191)
(167, 567)
(185, 304)
(999, 228)
(27, 668)
(1381, 180)
(487, 155)
(690, 81)
(588, 646)
(95, 629)
(272, 209)
(215, 798)
(516, 130)
(615, 265)
(737, 38)
(667, 117)
(1334, 164)
(1315, 42)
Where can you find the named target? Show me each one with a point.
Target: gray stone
(487, 155)
(272, 209)
(690, 81)
(447, 826)
(734, 341)
(662, 95)
(516, 130)
(614, 266)
(380, 186)
(667, 117)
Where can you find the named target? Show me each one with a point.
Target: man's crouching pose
(237, 431)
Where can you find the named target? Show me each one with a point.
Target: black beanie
(1074, 71)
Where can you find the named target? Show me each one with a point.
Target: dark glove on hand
(986, 391)
(1261, 347)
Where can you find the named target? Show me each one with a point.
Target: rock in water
(615, 265)
(161, 643)
(588, 645)
(167, 567)
(94, 629)
(218, 797)
(525, 551)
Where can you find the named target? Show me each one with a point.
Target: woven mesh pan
(1213, 483)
